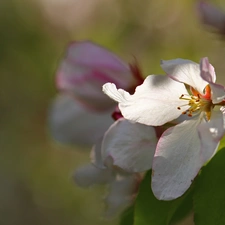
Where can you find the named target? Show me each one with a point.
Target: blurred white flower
(126, 149)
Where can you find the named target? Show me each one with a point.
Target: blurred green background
(35, 173)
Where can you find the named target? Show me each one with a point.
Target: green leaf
(127, 217)
(184, 209)
(151, 211)
(209, 193)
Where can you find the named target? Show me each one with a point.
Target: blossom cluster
(82, 114)
(171, 123)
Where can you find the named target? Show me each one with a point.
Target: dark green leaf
(150, 211)
(184, 209)
(127, 217)
(209, 193)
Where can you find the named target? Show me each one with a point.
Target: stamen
(179, 107)
(197, 103)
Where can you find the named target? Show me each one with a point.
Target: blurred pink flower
(82, 113)
(86, 67)
(212, 16)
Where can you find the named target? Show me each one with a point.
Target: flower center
(198, 102)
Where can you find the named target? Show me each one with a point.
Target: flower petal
(207, 71)
(154, 102)
(177, 160)
(208, 74)
(86, 67)
(131, 145)
(210, 134)
(218, 93)
(71, 123)
(90, 54)
(121, 194)
(184, 71)
(89, 175)
(96, 155)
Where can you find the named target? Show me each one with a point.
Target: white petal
(218, 93)
(131, 145)
(96, 154)
(177, 160)
(121, 195)
(71, 123)
(98, 160)
(210, 134)
(185, 71)
(154, 102)
(118, 95)
(89, 175)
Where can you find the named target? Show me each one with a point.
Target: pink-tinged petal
(90, 54)
(207, 71)
(85, 85)
(211, 16)
(70, 123)
(208, 74)
(131, 145)
(122, 192)
(184, 71)
(177, 160)
(89, 175)
(210, 134)
(154, 102)
(86, 67)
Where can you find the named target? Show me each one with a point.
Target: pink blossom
(86, 67)
(211, 16)
(82, 113)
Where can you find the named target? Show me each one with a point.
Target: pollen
(198, 102)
